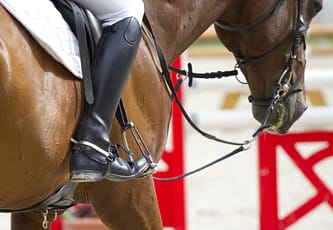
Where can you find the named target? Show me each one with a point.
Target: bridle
(284, 87)
(282, 90)
(297, 35)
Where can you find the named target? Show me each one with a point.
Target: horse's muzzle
(285, 113)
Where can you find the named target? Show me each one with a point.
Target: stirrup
(88, 164)
(130, 126)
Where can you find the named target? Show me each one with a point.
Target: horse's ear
(318, 5)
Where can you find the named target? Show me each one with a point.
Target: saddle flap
(44, 22)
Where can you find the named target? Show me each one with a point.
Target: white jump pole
(314, 117)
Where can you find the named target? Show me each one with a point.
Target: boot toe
(119, 170)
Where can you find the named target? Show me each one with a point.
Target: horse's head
(268, 41)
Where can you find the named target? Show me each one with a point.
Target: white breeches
(112, 11)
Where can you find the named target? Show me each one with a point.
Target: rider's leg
(93, 156)
(111, 11)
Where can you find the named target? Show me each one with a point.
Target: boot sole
(94, 176)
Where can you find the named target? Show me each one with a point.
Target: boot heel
(85, 176)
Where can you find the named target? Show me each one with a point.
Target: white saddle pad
(47, 26)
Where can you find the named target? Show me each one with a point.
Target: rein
(278, 95)
(167, 77)
(190, 75)
(282, 90)
(245, 145)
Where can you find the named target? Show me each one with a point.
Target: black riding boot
(93, 156)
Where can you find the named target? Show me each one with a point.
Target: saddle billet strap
(84, 51)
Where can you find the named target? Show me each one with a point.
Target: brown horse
(41, 101)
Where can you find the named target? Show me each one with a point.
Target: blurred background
(228, 195)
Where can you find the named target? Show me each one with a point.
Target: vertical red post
(171, 195)
(57, 224)
(268, 183)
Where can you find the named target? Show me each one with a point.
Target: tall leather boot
(93, 156)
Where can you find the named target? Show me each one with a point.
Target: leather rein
(281, 91)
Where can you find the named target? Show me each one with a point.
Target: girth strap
(60, 200)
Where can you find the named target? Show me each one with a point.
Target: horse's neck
(177, 24)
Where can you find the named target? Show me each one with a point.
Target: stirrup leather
(127, 125)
